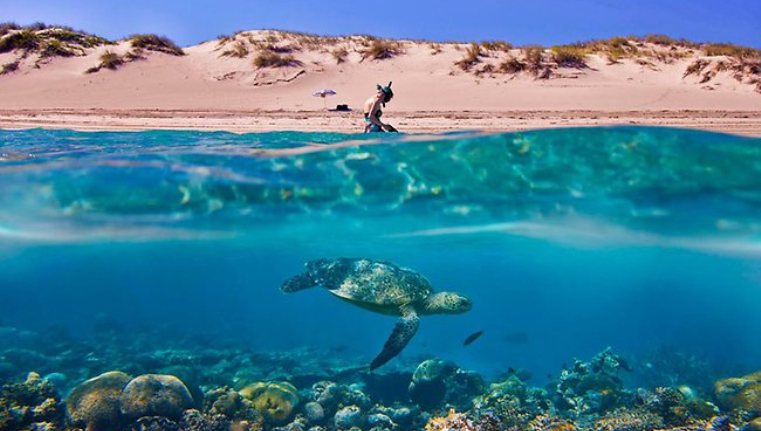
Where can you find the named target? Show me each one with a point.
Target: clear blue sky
(519, 21)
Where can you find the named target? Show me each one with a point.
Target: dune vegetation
(269, 58)
(490, 59)
(379, 49)
(46, 40)
(153, 42)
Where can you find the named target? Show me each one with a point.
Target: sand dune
(427, 79)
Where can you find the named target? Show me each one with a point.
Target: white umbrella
(325, 92)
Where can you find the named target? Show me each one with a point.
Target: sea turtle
(381, 287)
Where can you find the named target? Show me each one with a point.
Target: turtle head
(324, 270)
(309, 278)
(314, 267)
(447, 303)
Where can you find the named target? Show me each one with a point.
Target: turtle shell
(371, 282)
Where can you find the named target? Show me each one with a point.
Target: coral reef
(512, 402)
(94, 403)
(593, 386)
(155, 395)
(276, 400)
(227, 389)
(451, 422)
(629, 420)
(438, 383)
(546, 422)
(348, 417)
(740, 393)
(31, 405)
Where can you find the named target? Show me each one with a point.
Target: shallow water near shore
(644, 240)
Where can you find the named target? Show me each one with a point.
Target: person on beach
(373, 110)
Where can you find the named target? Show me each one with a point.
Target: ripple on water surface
(631, 183)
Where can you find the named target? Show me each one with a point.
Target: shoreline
(745, 123)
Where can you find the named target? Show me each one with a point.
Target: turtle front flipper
(296, 283)
(401, 335)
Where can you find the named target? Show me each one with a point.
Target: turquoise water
(567, 241)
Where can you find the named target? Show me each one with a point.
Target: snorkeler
(373, 110)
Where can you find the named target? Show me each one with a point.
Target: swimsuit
(372, 127)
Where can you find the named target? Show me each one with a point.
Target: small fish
(472, 337)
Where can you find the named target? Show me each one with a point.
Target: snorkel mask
(387, 92)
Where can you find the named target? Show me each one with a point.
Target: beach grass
(238, 50)
(512, 65)
(486, 69)
(730, 50)
(534, 56)
(340, 54)
(569, 56)
(496, 45)
(663, 40)
(472, 57)
(108, 60)
(24, 40)
(56, 48)
(378, 49)
(153, 42)
(273, 59)
(7, 27)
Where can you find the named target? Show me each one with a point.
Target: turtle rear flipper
(401, 335)
(296, 283)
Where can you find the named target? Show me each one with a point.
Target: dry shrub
(534, 56)
(730, 50)
(153, 42)
(381, 50)
(340, 54)
(616, 48)
(55, 48)
(315, 43)
(238, 50)
(663, 40)
(569, 56)
(273, 59)
(25, 40)
(660, 39)
(512, 65)
(487, 68)
(7, 27)
(472, 57)
(76, 37)
(282, 49)
(40, 35)
(497, 45)
(435, 48)
(224, 39)
(110, 60)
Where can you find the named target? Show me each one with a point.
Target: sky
(545, 22)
